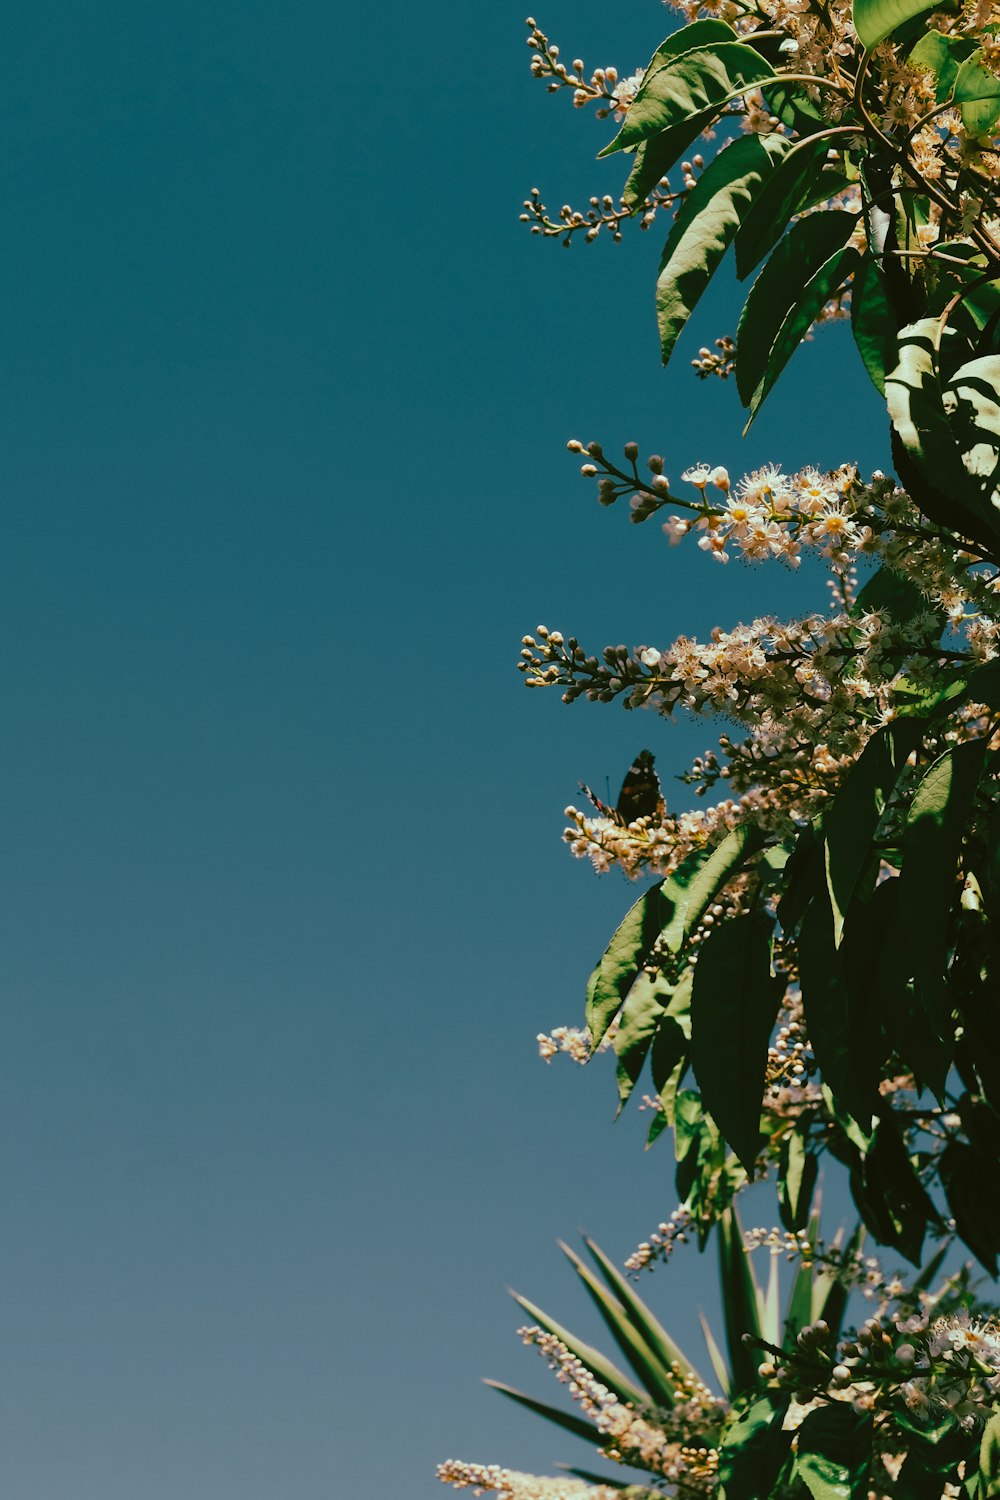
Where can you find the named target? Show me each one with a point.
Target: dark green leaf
(740, 1304)
(698, 81)
(835, 1452)
(654, 157)
(872, 322)
(972, 1186)
(935, 828)
(898, 595)
(753, 1447)
(977, 91)
(706, 225)
(852, 821)
(652, 1370)
(798, 181)
(607, 1373)
(890, 1196)
(734, 1003)
(989, 1459)
(805, 250)
(565, 1419)
(797, 1172)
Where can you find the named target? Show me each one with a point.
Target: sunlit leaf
(698, 81)
(875, 19)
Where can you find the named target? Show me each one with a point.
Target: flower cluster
(675, 1444)
(508, 1484)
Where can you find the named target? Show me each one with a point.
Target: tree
(816, 968)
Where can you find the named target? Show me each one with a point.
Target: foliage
(814, 970)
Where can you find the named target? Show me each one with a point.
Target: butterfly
(641, 795)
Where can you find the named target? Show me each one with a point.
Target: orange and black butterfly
(641, 795)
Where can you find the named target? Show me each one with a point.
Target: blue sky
(286, 389)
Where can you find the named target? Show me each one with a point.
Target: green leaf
(702, 80)
(809, 265)
(715, 1354)
(705, 227)
(622, 960)
(972, 1184)
(753, 1447)
(644, 1007)
(565, 1419)
(797, 1173)
(607, 1373)
(740, 1301)
(852, 821)
(889, 1194)
(791, 187)
(948, 431)
(977, 91)
(697, 881)
(734, 1002)
(875, 19)
(697, 34)
(935, 828)
(826, 1005)
(943, 56)
(653, 1371)
(667, 1350)
(654, 157)
(893, 592)
(835, 1452)
(872, 322)
(989, 1459)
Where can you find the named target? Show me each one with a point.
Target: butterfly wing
(641, 795)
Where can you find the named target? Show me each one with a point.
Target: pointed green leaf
(734, 1003)
(705, 79)
(946, 432)
(789, 189)
(644, 1007)
(643, 1321)
(564, 1419)
(645, 1362)
(607, 1373)
(808, 266)
(875, 19)
(655, 157)
(753, 1447)
(797, 1172)
(740, 1305)
(872, 322)
(697, 881)
(706, 225)
(716, 1356)
(852, 821)
(936, 825)
(989, 1459)
(622, 960)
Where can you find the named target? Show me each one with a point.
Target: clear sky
(286, 389)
